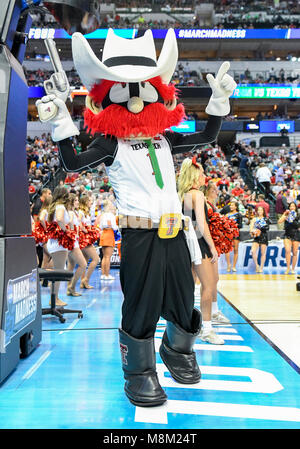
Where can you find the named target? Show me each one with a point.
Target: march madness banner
(275, 258)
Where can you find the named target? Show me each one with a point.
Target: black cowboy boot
(139, 365)
(177, 353)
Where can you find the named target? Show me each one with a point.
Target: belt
(133, 222)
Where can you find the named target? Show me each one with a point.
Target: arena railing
(52, 182)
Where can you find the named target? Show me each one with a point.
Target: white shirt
(131, 177)
(108, 221)
(86, 219)
(75, 220)
(53, 245)
(263, 174)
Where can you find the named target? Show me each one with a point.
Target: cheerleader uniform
(108, 225)
(263, 225)
(45, 220)
(204, 248)
(46, 217)
(53, 246)
(291, 227)
(86, 221)
(76, 223)
(38, 223)
(238, 218)
(214, 209)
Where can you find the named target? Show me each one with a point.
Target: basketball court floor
(74, 380)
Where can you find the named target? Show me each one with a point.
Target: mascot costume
(129, 108)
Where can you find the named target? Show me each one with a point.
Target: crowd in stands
(251, 176)
(37, 77)
(243, 176)
(227, 22)
(137, 4)
(253, 183)
(43, 165)
(222, 6)
(249, 21)
(228, 14)
(184, 75)
(42, 162)
(291, 78)
(256, 14)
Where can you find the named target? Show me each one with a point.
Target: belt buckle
(169, 226)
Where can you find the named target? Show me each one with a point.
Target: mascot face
(132, 110)
(129, 92)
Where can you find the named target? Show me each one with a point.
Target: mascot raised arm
(130, 108)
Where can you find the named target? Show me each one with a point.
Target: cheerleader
(43, 219)
(190, 179)
(291, 237)
(75, 256)
(58, 213)
(211, 193)
(108, 227)
(89, 251)
(32, 235)
(235, 215)
(259, 227)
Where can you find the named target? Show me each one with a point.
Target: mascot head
(130, 95)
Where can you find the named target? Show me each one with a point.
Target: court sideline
(74, 378)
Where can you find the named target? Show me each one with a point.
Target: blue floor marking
(73, 380)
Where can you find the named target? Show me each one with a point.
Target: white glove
(222, 88)
(53, 110)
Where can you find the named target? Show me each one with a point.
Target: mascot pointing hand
(129, 107)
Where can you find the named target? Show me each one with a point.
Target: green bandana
(155, 166)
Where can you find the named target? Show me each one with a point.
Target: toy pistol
(57, 85)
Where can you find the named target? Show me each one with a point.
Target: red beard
(116, 120)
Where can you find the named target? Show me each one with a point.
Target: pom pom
(223, 231)
(65, 238)
(117, 235)
(53, 230)
(84, 239)
(93, 234)
(39, 233)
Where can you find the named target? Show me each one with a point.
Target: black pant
(156, 280)
(39, 252)
(267, 188)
